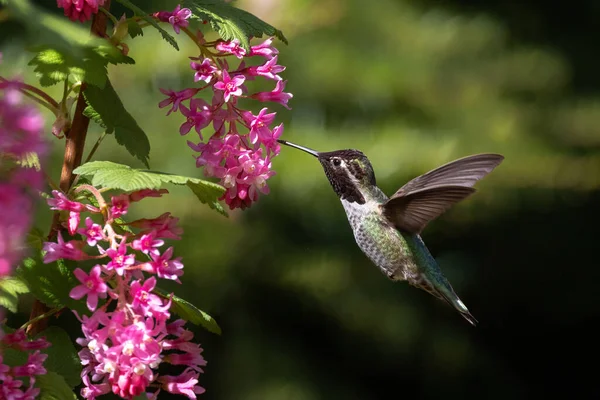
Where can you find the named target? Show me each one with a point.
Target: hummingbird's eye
(337, 162)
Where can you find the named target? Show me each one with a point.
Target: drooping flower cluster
(20, 137)
(241, 144)
(12, 379)
(128, 336)
(80, 10)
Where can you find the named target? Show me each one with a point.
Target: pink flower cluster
(127, 337)
(12, 378)
(80, 10)
(241, 144)
(20, 134)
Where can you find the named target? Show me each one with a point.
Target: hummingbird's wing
(427, 196)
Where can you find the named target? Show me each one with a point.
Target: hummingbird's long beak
(306, 149)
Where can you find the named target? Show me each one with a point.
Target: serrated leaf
(208, 195)
(10, 289)
(52, 65)
(65, 48)
(51, 283)
(109, 108)
(35, 239)
(231, 22)
(53, 387)
(62, 355)
(144, 15)
(190, 312)
(118, 176)
(133, 28)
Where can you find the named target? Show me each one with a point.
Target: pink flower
(33, 366)
(81, 10)
(277, 95)
(230, 86)
(120, 260)
(62, 202)
(185, 384)
(269, 70)
(265, 49)
(198, 116)
(176, 98)
(147, 244)
(119, 205)
(92, 232)
(232, 47)
(165, 226)
(204, 70)
(142, 194)
(165, 267)
(178, 18)
(91, 286)
(259, 125)
(144, 302)
(70, 250)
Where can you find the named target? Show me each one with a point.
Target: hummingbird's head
(348, 171)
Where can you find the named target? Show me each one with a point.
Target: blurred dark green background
(413, 84)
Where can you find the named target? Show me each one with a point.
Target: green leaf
(118, 176)
(208, 195)
(51, 283)
(65, 49)
(231, 22)
(190, 312)
(53, 387)
(144, 15)
(106, 105)
(35, 239)
(10, 289)
(52, 65)
(133, 28)
(62, 355)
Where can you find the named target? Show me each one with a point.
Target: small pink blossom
(165, 226)
(120, 260)
(143, 193)
(277, 95)
(269, 70)
(204, 70)
(62, 202)
(177, 18)
(92, 286)
(144, 302)
(259, 125)
(33, 366)
(232, 47)
(70, 250)
(93, 232)
(147, 244)
(119, 205)
(265, 49)
(185, 384)
(198, 116)
(165, 267)
(230, 86)
(176, 98)
(81, 10)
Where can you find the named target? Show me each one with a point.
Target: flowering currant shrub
(97, 264)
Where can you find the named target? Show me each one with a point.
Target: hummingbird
(388, 230)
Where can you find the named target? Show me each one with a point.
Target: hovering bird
(388, 230)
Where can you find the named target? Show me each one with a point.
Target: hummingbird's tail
(445, 292)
